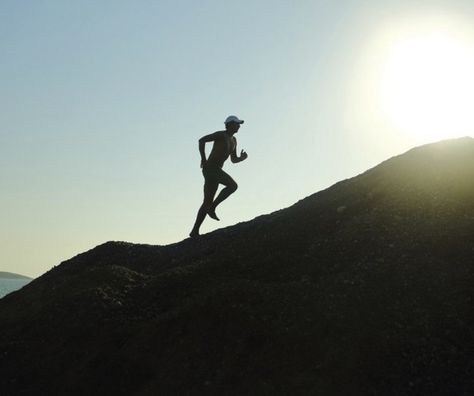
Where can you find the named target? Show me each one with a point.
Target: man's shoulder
(220, 135)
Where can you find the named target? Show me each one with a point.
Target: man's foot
(194, 234)
(212, 213)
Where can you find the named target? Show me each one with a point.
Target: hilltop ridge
(362, 288)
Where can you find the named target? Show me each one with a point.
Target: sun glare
(419, 78)
(427, 85)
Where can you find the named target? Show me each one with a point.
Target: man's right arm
(202, 143)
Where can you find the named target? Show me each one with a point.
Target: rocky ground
(361, 289)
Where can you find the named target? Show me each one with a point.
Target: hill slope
(364, 288)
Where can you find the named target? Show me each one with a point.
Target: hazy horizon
(103, 105)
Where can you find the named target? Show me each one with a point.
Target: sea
(9, 285)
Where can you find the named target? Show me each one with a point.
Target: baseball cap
(233, 118)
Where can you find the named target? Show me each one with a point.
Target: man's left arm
(233, 154)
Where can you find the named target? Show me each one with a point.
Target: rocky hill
(365, 288)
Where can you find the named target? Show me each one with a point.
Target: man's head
(232, 123)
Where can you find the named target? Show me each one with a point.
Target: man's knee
(206, 204)
(233, 187)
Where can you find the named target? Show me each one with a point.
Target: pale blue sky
(102, 104)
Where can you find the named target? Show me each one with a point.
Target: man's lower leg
(224, 194)
(201, 215)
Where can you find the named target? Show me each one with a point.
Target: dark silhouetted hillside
(365, 288)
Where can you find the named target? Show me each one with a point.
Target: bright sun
(426, 83)
(417, 78)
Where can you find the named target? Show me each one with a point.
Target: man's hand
(243, 155)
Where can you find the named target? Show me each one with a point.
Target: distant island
(11, 275)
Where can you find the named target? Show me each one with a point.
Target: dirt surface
(365, 288)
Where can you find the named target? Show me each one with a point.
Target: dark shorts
(213, 175)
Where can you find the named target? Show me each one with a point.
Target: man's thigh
(210, 188)
(225, 179)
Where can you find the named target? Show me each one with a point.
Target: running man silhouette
(225, 144)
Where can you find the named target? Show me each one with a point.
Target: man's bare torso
(221, 149)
